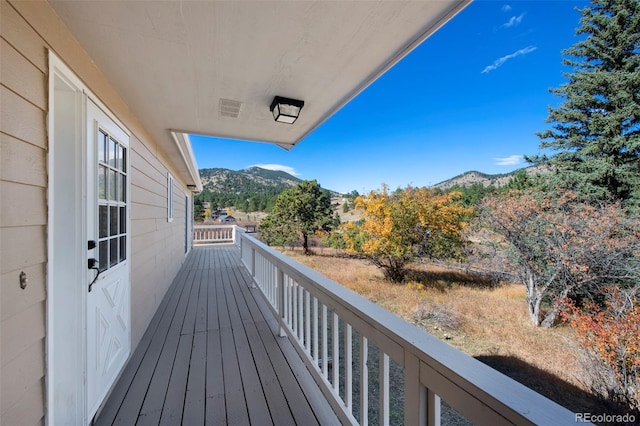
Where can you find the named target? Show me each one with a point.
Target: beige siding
(153, 236)
(27, 30)
(22, 76)
(22, 119)
(19, 34)
(22, 374)
(22, 219)
(29, 410)
(22, 162)
(22, 205)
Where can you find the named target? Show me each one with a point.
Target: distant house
(227, 219)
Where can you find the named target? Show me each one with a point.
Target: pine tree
(595, 134)
(300, 210)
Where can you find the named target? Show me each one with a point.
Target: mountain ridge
(227, 181)
(257, 179)
(472, 177)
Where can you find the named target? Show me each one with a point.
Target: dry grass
(247, 218)
(489, 322)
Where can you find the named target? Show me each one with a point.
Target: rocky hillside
(253, 179)
(473, 177)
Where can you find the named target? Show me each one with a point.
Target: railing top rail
(504, 395)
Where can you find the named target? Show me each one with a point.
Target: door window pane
(123, 220)
(112, 152)
(112, 185)
(123, 188)
(113, 252)
(113, 220)
(103, 250)
(123, 249)
(102, 151)
(118, 188)
(103, 220)
(121, 158)
(102, 182)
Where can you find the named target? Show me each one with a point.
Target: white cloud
(280, 167)
(500, 61)
(511, 160)
(506, 8)
(513, 21)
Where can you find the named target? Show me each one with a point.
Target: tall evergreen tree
(300, 210)
(595, 133)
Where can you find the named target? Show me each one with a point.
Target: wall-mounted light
(191, 187)
(286, 110)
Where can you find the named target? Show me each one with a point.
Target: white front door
(108, 298)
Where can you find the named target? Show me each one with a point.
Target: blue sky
(474, 95)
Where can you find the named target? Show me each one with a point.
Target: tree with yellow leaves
(400, 226)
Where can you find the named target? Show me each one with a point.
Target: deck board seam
(265, 312)
(211, 344)
(148, 337)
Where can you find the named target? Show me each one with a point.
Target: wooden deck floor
(211, 355)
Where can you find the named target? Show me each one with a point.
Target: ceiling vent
(230, 108)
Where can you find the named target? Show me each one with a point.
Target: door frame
(67, 252)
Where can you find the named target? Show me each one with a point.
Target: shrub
(609, 338)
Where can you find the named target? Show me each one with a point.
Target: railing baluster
(290, 292)
(272, 285)
(294, 300)
(285, 298)
(301, 314)
(265, 277)
(433, 409)
(335, 353)
(325, 349)
(315, 331)
(415, 402)
(307, 321)
(282, 303)
(275, 290)
(275, 296)
(384, 388)
(348, 367)
(253, 261)
(289, 304)
(364, 380)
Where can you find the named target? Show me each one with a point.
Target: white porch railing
(208, 234)
(321, 318)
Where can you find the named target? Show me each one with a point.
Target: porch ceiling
(175, 62)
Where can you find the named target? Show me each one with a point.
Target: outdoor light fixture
(286, 110)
